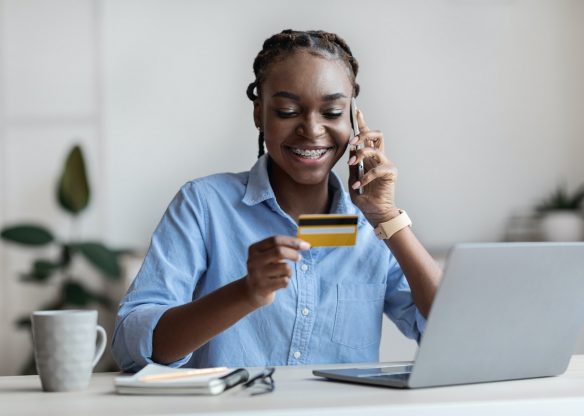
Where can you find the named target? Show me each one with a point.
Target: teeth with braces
(311, 154)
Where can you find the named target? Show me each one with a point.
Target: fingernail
(354, 140)
(352, 160)
(299, 257)
(304, 245)
(356, 185)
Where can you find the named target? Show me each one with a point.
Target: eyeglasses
(261, 383)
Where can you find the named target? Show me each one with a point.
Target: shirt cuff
(420, 323)
(136, 331)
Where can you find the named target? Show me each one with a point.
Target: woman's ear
(257, 114)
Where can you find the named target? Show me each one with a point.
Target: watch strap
(386, 230)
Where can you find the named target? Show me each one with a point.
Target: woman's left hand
(377, 201)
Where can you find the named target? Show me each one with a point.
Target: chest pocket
(359, 314)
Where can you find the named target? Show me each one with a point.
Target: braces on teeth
(310, 153)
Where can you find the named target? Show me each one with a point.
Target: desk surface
(299, 392)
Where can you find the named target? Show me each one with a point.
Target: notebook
(155, 379)
(503, 311)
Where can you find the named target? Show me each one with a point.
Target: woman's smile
(310, 155)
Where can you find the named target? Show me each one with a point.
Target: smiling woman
(206, 293)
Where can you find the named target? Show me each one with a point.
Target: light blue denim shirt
(331, 312)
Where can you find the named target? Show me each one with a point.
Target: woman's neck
(295, 198)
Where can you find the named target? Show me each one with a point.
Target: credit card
(327, 230)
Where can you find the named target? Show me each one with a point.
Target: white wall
(480, 102)
(49, 76)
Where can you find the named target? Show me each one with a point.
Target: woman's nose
(310, 127)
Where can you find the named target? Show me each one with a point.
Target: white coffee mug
(65, 347)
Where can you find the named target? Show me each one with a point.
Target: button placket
(304, 319)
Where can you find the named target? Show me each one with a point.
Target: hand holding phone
(381, 174)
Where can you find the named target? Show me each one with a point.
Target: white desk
(299, 393)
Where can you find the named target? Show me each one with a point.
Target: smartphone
(360, 168)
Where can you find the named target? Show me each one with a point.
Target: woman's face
(304, 114)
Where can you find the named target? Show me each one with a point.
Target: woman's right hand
(267, 267)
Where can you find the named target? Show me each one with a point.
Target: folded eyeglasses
(261, 383)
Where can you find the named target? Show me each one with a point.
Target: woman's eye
(286, 114)
(292, 113)
(335, 114)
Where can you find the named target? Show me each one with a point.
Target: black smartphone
(360, 168)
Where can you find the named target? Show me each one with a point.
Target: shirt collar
(259, 189)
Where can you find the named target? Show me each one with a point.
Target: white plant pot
(562, 225)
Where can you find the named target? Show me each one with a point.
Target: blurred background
(481, 103)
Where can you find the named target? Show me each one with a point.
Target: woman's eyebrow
(329, 97)
(333, 97)
(287, 94)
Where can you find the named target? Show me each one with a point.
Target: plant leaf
(101, 257)
(65, 257)
(27, 234)
(561, 199)
(73, 190)
(578, 197)
(75, 294)
(41, 271)
(23, 322)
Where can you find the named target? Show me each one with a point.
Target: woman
(225, 283)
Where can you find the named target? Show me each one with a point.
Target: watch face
(380, 233)
(387, 229)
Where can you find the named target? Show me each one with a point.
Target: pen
(235, 378)
(184, 374)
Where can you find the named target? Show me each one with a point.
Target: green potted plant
(73, 196)
(561, 216)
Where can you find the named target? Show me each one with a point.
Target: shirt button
(305, 311)
(297, 354)
(304, 267)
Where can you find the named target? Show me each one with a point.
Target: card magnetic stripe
(327, 221)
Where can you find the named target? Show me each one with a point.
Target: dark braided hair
(289, 41)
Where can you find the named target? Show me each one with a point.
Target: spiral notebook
(155, 379)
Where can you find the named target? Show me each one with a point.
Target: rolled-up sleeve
(175, 261)
(399, 305)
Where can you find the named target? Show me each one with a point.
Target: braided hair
(289, 41)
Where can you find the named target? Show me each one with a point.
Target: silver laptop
(503, 311)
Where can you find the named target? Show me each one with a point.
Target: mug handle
(100, 347)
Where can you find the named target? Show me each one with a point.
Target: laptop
(503, 311)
